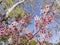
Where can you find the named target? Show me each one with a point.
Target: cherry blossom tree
(18, 28)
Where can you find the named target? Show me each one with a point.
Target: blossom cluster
(12, 30)
(40, 24)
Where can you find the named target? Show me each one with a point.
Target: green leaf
(9, 2)
(32, 42)
(4, 5)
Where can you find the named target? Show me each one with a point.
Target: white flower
(10, 40)
(36, 18)
(14, 23)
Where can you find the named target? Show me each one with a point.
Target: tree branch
(10, 9)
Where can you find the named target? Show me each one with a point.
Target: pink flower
(44, 43)
(14, 23)
(47, 7)
(22, 22)
(27, 18)
(36, 22)
(43, 11)
(37, 44)
(10, 27)
(41, 39)
(47, 36)
(2, 30)
(54, 12)
(1, 33)
(28, 34)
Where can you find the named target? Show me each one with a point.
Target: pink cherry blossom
(22, 22)
(36, 22)
(47, 7)
(40, 22)
(43, 11)
(14, 23)
(41, 39)
(28, 34)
